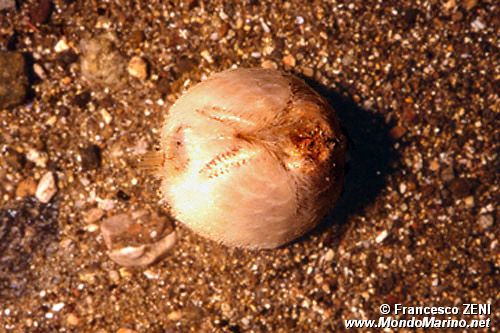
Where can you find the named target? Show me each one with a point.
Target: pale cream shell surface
(232, 171)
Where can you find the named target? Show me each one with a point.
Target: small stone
(469, 201)
(137, 67)
(381, 236)
(46, 188)
(448, 174)
(138, 238)
(82, 99)
(449, 5)
(101, 62)
(13, 79)
(397, 132)
(61, 46)
(174, 316)
(477, 24)
(434, 165)
(469, 4)
(269, 64)
(289, 60)
(308, 71)
(41, 13)
(72, 319)
(93, 215)
(329, 255)
(206, 55)
(15, 159)
(106, 116)
(91, 227)
(90, 157)
(25, 188)
(57, 307)
(7, 4)
(39, 158)
(460, 188)
(485, 221)
(114, 276)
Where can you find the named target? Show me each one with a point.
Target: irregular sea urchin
(251, 158)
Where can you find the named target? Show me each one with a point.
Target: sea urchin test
(251, 158)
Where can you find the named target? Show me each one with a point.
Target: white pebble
(402, 188)
(477, 24)
(383, 235)
(61, 46)
(57, 307)
(46, 188)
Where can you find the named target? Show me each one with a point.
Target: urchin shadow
(370, 154)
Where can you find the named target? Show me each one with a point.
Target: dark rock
(91, 157)
(460, 188)
(83, 99)
(163, 86)
(67, 58)
(122, 195)
(41, 13)
(15, 160)
(13, 79)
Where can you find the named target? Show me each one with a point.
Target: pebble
(469, 4)
(460, 188)
(138, 238)
(106, 116)
(308, 71)
(90, 157)
(46, 188)
(477, 24)
(469, 201)
(434, 165)
(101, 63)
(13, 79)
(174, 315)
(381, 236)
(25, 188)
(93, 215)
(114, 276)
(57, 307)
(329, 255)
(269, 64)
(448, 174)
(40, 159)
(289, 60)
(41, 13)
(61, 46)
(397, 132)
(485, 221)
(138, 68)
(206, 55)
(7, 4)
(72, 319)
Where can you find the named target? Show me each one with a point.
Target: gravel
(415, 85)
